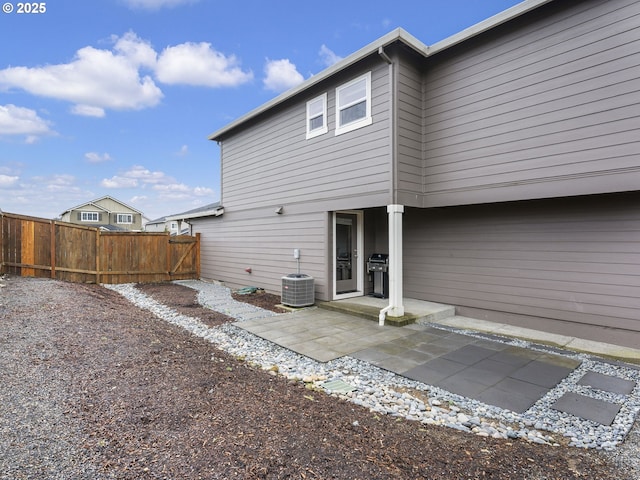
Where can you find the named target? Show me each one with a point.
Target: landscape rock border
(387, 393)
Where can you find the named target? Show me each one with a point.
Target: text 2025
(35, 7)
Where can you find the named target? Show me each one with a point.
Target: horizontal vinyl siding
(551, 108)
(409, 132)
(271, 162)
(572, 260)
(264, 243)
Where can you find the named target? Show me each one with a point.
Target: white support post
(395, 260)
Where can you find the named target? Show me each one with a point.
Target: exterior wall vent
(298, 290)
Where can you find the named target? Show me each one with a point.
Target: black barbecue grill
(378, 266)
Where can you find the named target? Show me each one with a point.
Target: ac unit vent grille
(298, 290)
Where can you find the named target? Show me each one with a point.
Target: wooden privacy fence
(37, 247)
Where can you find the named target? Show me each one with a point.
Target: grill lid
(379, 258)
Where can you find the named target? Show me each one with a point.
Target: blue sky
(117, 97)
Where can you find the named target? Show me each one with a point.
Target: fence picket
(41, 247)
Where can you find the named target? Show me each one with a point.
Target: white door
(347, 261)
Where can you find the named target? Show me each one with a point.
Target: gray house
(499, 169)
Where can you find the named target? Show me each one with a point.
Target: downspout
(395, 307)
(383, 315)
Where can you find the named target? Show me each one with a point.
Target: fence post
(2, 242)
(52, 248)
(169, 251)
(2, 245)
(97, 256)
(27, 248)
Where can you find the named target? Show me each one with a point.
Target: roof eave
(398, 34)
(93, 203)
(491, 22)
(214, 212)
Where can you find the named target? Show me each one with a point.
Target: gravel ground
(94, 388)
(39, 436)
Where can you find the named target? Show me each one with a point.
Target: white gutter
(215, 212)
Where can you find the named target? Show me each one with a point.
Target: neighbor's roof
(157, 220)
(93, 203)
(111, 228)
(397, 35)
(212, 209)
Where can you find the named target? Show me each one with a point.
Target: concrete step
(416, 311)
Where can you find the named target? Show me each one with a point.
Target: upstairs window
(90, 216)
(317, 116)
(353, 104)
(125, 218)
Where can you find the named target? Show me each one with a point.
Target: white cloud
(175, 191)
(172, 188)
(8, 180)
(54, 191)
(57, 183)
(41, 195)
(94, 157)
(145, 175)
(84, 81)
(281, 75)
(156, 4)
(10, 168)
(61, 179)
(139, 52)
(49, 195)
(184, 150)
(199, 64)
(22, 121)
(327, 56)
(122, 78)
(88, 111)
(137, 176)
(180, 191)
(203, 192)
(119, 182)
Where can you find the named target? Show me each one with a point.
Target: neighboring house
(498, 168)
(106, 213)
(178, 224)
(172, 227)
(184, 219)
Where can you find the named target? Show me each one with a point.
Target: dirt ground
(154, 402)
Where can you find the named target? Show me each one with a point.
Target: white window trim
(363, 122)
(122, 215)
(325, 127)
(85, 216)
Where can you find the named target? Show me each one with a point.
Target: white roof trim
(93, 204)
(398, 34)
(491, 22)
(214, 212)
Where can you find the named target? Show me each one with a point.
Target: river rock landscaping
(96, 387)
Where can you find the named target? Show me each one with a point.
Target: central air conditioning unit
(298, 290)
